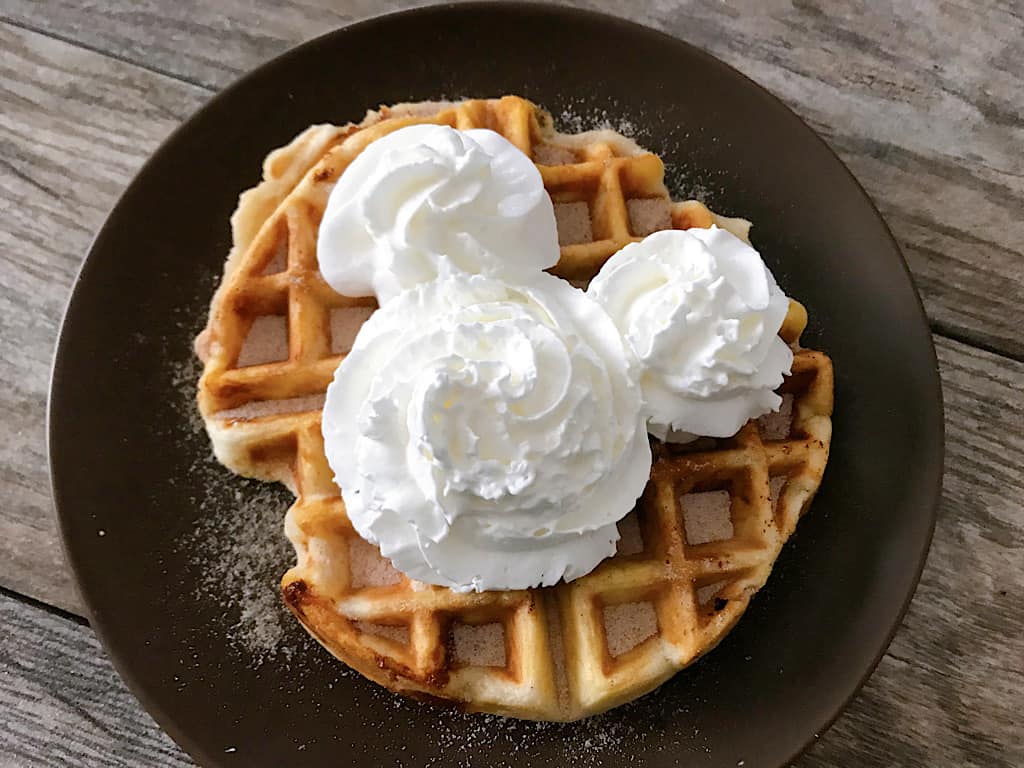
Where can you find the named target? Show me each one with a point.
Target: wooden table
(925, 103)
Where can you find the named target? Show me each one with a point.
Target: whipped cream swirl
(428, 200)
(701, 312)
(488, 435)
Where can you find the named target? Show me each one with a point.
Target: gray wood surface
(62, 702)
(924, 102)
(74, 128)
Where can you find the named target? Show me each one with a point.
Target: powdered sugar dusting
(608, 739)
(576, 117)
(684, 182)
(245, 553)
(238, 547)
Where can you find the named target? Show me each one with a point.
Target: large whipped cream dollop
(701, 312)
(428, 200)
(488, 435)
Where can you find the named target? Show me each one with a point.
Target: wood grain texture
(924, 101)
(949, 691)
(921, 99)
(67, 149)
(61, 703)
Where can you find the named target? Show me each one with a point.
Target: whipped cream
(701, 312)
(428, 200)
(488, 435)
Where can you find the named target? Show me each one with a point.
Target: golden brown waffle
(701, 541)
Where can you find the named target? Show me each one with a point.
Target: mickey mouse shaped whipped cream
(489, 427)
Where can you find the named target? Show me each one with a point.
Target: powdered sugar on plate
(683, 181)
(576, 117)
(237, 547)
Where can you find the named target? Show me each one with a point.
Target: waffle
(700, 542)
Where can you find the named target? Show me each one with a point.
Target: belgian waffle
(700, 542)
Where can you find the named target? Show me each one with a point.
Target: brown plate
(178, 561)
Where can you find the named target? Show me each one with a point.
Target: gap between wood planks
(67, 40)
(941, 330)
(53, 610)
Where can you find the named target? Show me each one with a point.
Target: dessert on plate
(547, 429)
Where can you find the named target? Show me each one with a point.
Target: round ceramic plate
(179, 561)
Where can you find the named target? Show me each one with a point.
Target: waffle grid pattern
(540, 654)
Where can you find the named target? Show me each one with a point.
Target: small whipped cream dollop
(488, 435)
(701, 312)
(428, 200)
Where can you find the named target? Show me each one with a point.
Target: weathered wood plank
(61, 703)
(924, 106)
(74, 128)
(949, 691)
(922, 100)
